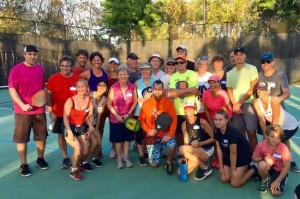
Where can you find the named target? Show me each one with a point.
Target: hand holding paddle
(39, 99)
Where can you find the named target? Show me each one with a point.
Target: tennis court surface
(110, 182)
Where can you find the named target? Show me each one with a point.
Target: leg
(74, 143)
(62, 145)
(22, 151)
(252, 139)
(226, 175)
(195, 156)
(243, 175)
(40, 147)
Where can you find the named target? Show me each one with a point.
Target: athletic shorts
(246, 121)
(78, 130)
(240, 162)
(288, 134)
(119, 133)
(155, 150)
(209, 151)
(23, 125)
(274, 175)
(59, 127)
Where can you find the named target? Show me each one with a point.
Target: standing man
(241, 81)
(134, 72)
(60, 87)
(232, 63)
(151, 108)
(182, 80)
(25, 79)
(81, 59)
(182, 51)
(278, 86)
(157, 62)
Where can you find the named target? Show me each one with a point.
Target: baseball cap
(170, 59)
(146, 65)
(113, 59)
(267, 56)
(262, 86)
(214, 78)
(158, 56)
(181, 47)
(240, 49)
(132, 56)
(189, 104)
(30, 48)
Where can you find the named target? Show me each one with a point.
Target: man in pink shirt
(25, 79)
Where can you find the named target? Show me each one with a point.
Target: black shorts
(140, 135)
(79, 130)
(59, 127)
(240, 162)
(119, 133)
(274, 175)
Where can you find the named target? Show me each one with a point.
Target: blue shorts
(155, 150)
(274, 175)
(119, 133)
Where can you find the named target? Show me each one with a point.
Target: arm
(175, 93)
(261, 118)
(185, 134)
(285, 95)
(220, 157)
(67, 111)
(249, 92)
(135, 100)
(85, 75)
(207, 113)
(100, 111)
(275, 112)
(236, 109)
(233, 157)
(52, 115)
(16, 98)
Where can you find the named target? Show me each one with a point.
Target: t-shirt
(190, 65)
(159, 75)
(175, 82)
(216, 103)
(151, 109)
(76, 70)
(279, 154)
(239, 81)
(203, 85)
(134, 76)
(61, 88)
(27, 81)
(233, 136)
(166, 80)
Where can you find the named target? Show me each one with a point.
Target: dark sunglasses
(265, 61)
(170, 64)
(182, 62)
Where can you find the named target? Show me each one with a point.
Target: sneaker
(112, 153)
(146, 156)
(143, 161)
(120, 164)
(76, 175)
(87, 167)
(40, 162)
(263, 186)
(201, 174)
(127, 163)
(294, 167)
(169, 168)
(66, 163)
(81, 168)
(25, 170)
(97, 163)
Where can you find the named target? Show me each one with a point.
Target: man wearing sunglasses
(278, 85)
(241, 81)
(182, 80)
(182, 50)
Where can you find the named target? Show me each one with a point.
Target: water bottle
(183, 171)
(51, 125)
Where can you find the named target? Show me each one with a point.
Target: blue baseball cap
(267, 56)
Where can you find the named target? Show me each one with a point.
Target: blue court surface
(110, 182)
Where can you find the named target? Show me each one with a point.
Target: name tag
(276, 155)
(268, 113)
(225, 141)
(196, 127)
(223, 82)
(72, 88)
(271, 84)
(87, 110)
(129, 94)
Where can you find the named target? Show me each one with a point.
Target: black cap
(30, 48)
(240, 49)
(132, 56)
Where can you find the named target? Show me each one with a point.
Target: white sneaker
(120, 164)
(112, 154)
(127, 163)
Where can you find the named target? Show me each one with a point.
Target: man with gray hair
(183, 51)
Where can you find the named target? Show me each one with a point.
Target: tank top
(94, 79)
(286, 120)
(78, 117)
(196, 132)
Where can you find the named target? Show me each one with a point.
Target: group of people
(213, 114)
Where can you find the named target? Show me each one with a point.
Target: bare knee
(153, 165)
(235, 183)
(224, 178)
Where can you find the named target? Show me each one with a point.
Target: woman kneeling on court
(79, 130)
(233, 151)
(198, 139)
